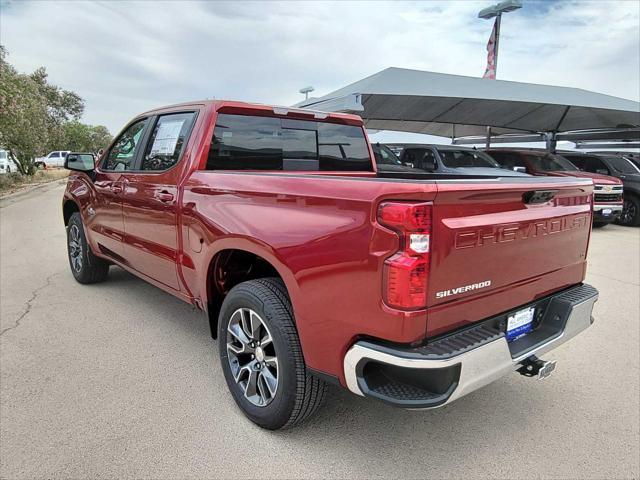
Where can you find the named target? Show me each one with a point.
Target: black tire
(85, 266)
(630, 215)
(600, 224)
(298, 393)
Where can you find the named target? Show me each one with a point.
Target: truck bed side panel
(319, 233)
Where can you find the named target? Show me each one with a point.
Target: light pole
(307, 91)
(496, 11)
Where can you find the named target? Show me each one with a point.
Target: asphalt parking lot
(122, 380)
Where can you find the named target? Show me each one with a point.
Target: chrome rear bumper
(615, 207)
(448, 368)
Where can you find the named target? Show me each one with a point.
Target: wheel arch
(235, 261)
(69, 207)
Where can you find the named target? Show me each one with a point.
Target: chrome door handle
(165, 197)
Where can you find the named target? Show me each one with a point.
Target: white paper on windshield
(166, 138)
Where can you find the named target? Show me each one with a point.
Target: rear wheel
(261, 356)
(630, 211)
(85, 266)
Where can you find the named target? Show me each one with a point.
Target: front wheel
(261, 356)
(630, 212)
(85, 266)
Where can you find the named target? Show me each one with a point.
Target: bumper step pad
(451, 366)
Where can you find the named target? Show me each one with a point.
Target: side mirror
(520, 169)
(80, 162)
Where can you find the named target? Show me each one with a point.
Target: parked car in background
(449, 159)
(314, 267)
(53, 159)
(386, 159)
(632, 157)
(607, 198)
(615, 165)
(6, 163)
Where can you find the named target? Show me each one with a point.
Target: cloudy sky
(124, 57)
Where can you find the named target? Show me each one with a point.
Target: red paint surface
(319, 231)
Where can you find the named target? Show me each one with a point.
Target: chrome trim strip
(614, 188)
(598, 207)
(479, 366)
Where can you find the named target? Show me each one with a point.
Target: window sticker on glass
(166, 138)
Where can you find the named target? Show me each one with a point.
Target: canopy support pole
(487, 143)
(551, 141)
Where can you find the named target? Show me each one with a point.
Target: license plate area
(606, 212)
(520, 323)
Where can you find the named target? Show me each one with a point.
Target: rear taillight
(405, 273)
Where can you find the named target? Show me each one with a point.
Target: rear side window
(549, 162)
(167, 141)
(595, 165)
(466, 158)
(421, 158)
(622, 165)
(507, 160)
(242, 142)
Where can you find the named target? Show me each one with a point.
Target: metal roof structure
(457, 106)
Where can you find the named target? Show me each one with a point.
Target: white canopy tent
(455, 106)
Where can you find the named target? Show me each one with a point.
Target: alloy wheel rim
(75, 248)
(628, 212)
(252, 357)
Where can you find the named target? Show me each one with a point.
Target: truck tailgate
(492, 238)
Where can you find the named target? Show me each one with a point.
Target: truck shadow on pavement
(364, 432)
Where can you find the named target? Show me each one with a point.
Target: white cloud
(126, 57)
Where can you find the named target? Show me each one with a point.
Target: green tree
(80, 137)
(37, 117)
(23, 116)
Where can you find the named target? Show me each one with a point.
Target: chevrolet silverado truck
(313, 267)
(607, 198)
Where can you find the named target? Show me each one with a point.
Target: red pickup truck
(608, 190)
(414, 289)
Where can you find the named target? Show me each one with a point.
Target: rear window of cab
(245, 142)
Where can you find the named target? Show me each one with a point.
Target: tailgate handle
(538, 196)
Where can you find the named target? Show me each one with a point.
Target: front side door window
(595, 165)
(122, 155)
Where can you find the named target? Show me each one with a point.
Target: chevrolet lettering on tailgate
(511, 232)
